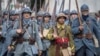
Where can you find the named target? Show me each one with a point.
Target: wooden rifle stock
(54, 17)
(79, 17)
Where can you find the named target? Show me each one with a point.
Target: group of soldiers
(25, 33)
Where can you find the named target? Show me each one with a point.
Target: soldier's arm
(38, 39)
(71, 41)
(75, 27)
(75, 30)
(13, 32)
(4, 29)
(96, 31)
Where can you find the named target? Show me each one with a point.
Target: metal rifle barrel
(69, 12)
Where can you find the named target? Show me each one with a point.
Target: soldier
(74, 14)
(40, 17)
(98, 19)
(27, 36)
(4, 19)
(45, 27)
(5, 16)
(7, 26)
(33, 16)
(83, 37)
(66, 12)
(17, 15)
(61, 38)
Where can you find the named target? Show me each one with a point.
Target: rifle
(79, 17)
(53, 17)
(62, 6)
(46, 6)
(69, 12)
(40, 3)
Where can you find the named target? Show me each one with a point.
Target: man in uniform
(66, 12)
(5, 16)
(7, 27)
(83, 36)
(73, 14)
(27, 36)
(4, 19)
(62, 39)
(40, 17)
(45, 27)
(97, 19)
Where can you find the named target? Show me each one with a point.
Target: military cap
(26, 10)
(84, 7)
(46, 14)
(66, 12)
(5, 12)
(40, 13)
(17, 12)
(74, 12)
(12, 12)
(61, 15)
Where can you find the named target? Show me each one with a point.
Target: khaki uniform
(63, 31)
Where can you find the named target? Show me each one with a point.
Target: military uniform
(45, 27)
(40, 20)
(61, 45)
(74, 15)
(3, 21)
(7, 27)
(83, 41)
(25, 48)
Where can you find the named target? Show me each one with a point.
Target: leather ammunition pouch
(62, 42)
(20, 40)
(31, 41)
(2, 39)
(88, 36)
(79, 35)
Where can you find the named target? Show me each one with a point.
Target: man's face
(26, 15)
(85, 12)
(5, 16)
(12, 17)
(61, 20)
(73, 16)
(40, 18)
(17, 16)
(46, 19)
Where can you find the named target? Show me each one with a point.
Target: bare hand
(9, 48)
(55, 35)
(40, 53)
(81, 28)
(19, 31)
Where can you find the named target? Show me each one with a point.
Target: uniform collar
(60, 26)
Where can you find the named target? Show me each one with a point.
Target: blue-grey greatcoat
(25, 47)
(7, 27)
(45, 42)
(88, 43)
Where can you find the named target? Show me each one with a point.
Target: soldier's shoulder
(92, 18)
(68, 26)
